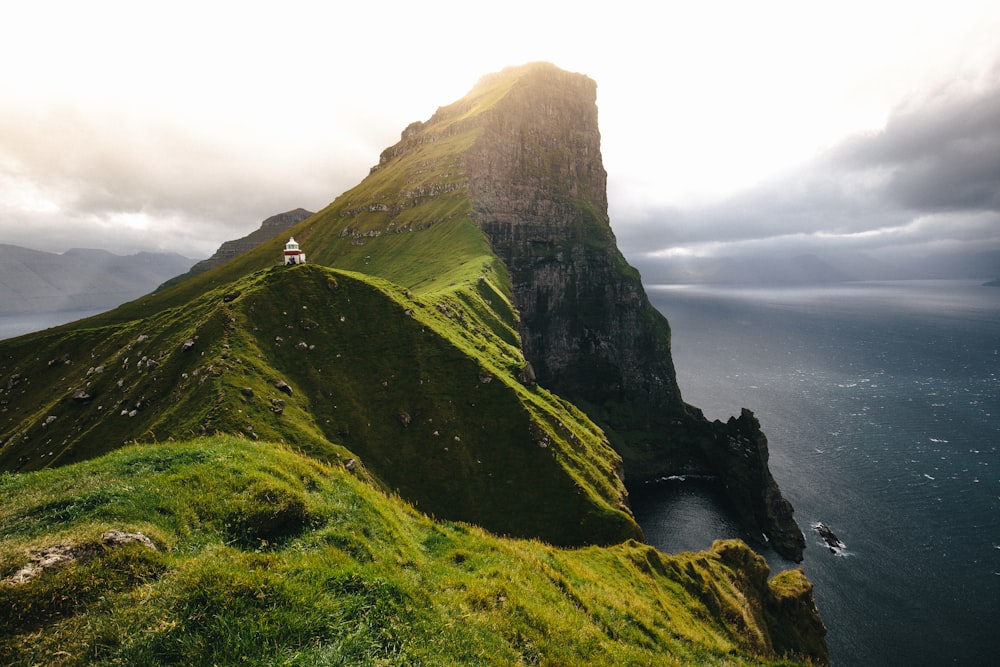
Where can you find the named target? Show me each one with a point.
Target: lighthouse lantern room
(293, 254)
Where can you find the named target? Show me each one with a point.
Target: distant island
(35, 281)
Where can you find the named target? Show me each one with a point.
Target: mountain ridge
(398, 355)
(486, 177)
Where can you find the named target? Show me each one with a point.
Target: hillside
(466, 339)
(258, 555)
(324, 360)
(33, 281)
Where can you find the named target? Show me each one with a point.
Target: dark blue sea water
(881, 403)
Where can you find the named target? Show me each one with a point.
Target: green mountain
(454, 300)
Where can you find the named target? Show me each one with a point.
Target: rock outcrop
(59, 555)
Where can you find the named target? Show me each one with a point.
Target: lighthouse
(293, 255)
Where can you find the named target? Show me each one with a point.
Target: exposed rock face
(538, 190)
(737, 452)
(268, 230)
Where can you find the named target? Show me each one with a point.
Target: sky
(727, 127)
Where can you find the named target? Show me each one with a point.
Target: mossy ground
(269, 557)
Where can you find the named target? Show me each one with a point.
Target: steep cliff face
(538, 190)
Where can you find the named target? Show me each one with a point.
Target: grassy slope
(424, 392)
(269, 557)
(406, 223)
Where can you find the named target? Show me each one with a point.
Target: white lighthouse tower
(293, 255)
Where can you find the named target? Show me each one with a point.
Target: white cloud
(205, 118)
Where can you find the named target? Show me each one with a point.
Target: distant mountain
(270, 228)
(32, 281)
(776, 268)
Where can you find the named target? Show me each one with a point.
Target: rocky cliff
(537, 187)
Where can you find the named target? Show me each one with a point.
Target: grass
(422, 391)
(269, 557)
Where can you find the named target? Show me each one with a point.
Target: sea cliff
(432, 420)
(538, 190)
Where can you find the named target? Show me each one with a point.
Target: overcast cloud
(726, 127)
(86, 178)
(928, 181)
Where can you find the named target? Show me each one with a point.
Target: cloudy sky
(727, 127)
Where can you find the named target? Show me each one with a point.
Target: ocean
(881, 404)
